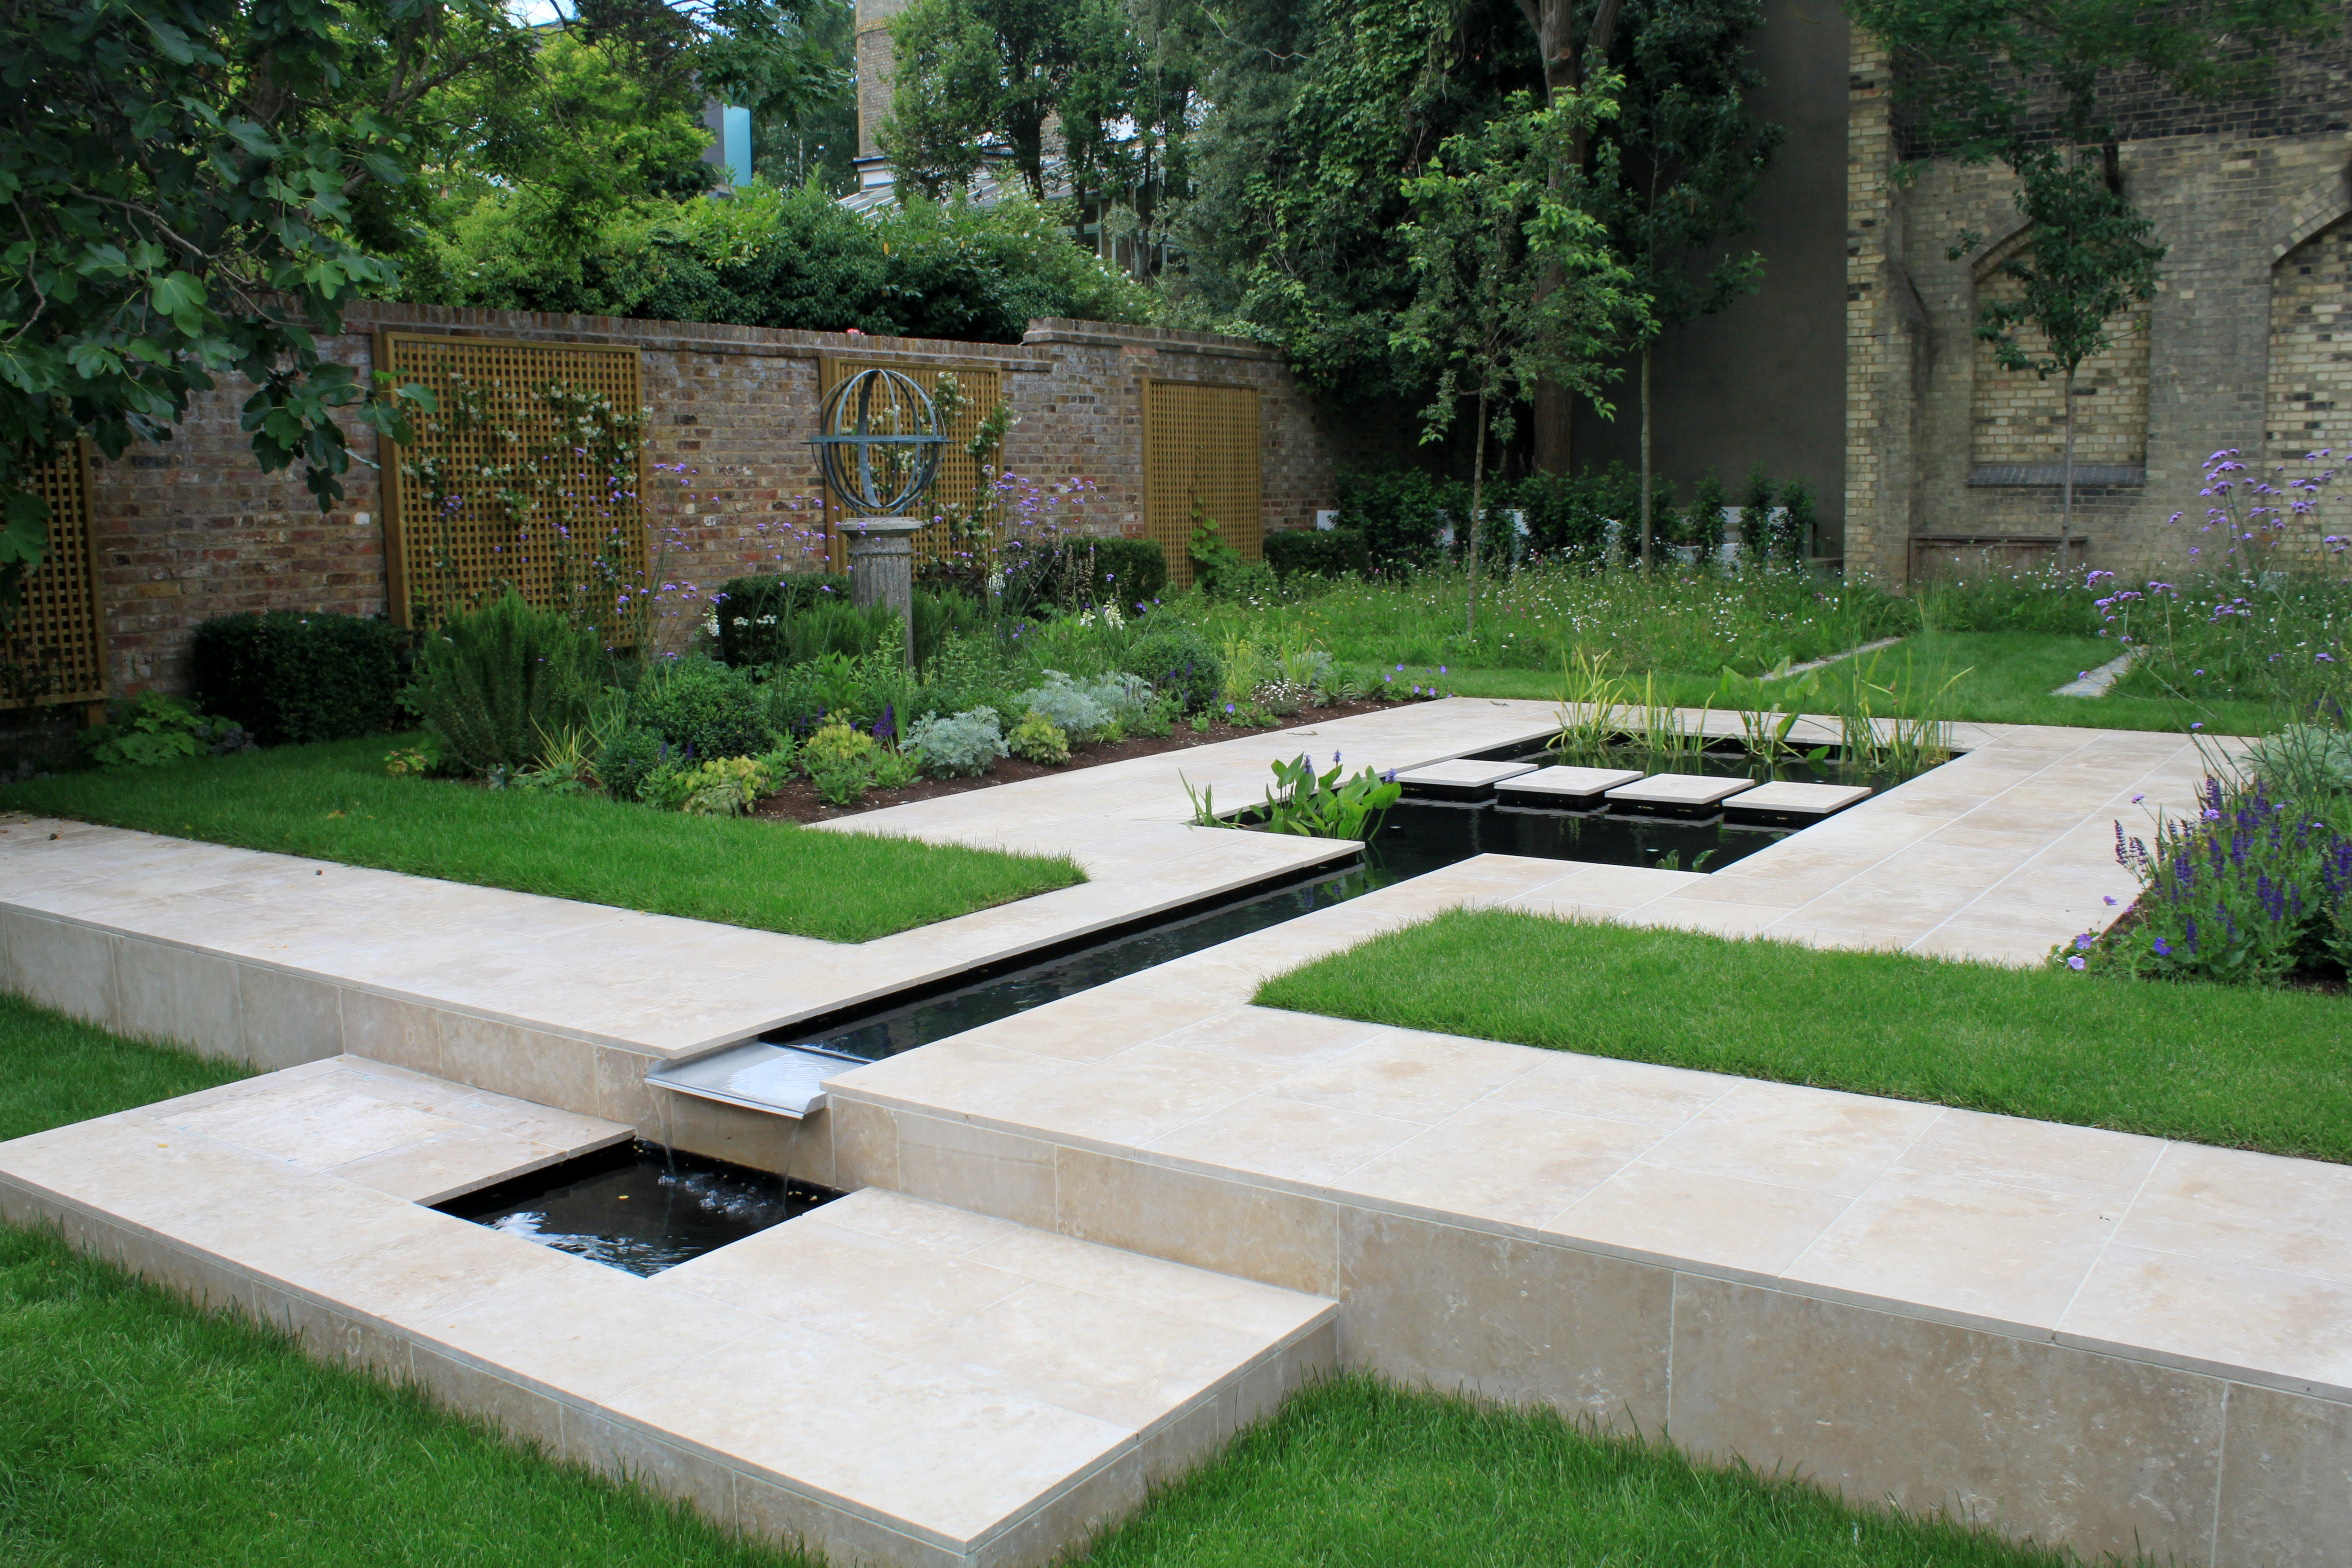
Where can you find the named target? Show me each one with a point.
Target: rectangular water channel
(1417, 836)
(645, 1208)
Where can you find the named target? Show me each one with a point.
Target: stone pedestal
(882, 567)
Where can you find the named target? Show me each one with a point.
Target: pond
(638, 1206)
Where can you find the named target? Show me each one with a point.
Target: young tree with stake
(1690, 150)
(2026, 82)
(1515, 283)
(2088, 258)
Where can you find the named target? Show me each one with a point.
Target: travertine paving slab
(885, 1380)
(650, 984)
(1564, 786)
(1677, 791)
(1461, 778)
(1966, 1300)
(1782, 802)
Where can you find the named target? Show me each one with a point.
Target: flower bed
(2255, 888)
(799, 801)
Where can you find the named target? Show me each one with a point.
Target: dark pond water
(1420, 836)
(639, 1207)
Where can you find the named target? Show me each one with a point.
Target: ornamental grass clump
(2252, 889)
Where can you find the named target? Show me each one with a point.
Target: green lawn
(2232, 1065)
(335, 802)
(140, 1431)
(2008, 680)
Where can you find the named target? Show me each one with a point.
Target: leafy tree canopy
(182, 177)
(1094, 97)
(1320, 111)
(1690, 149)
(770, 258)
(1515, 283)
(199, 187)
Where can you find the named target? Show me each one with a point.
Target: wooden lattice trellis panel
(529, 473)
(1200, 450)
(55, 650)
(960, 481)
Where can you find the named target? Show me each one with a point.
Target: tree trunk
(1649, 495)
(1027, 135)
(1549, 420)
(2066, 501)
(1477, 511)
(1553, 23)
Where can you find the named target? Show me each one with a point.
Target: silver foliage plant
(1091, 708)
(965, 744)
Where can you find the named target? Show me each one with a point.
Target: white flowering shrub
(962, 745)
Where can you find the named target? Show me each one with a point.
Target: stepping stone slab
(1677, 794)
(1463, 780)
(1563, 789)
(1781, 804)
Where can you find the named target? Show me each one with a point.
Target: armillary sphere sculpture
(878, 447)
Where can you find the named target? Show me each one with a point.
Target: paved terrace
(2074, 1334)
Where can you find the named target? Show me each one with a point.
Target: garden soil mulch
(798, 802)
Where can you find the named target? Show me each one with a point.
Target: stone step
(884, 1380)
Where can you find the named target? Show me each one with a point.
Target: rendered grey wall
(1764, 382)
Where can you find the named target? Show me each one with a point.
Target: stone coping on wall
(881, 1380)
(2064, 1333)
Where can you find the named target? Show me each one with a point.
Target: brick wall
(2018, 418)
(2310, 402)
(189, 529)
(2236, 327)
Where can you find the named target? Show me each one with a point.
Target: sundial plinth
(882, 567)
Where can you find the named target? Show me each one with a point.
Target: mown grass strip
(335, 802)
(2009, 680)
(2239, 1066)
(1356, 1474)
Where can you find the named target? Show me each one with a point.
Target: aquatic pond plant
(1308, 803)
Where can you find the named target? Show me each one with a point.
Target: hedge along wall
(189, 528)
